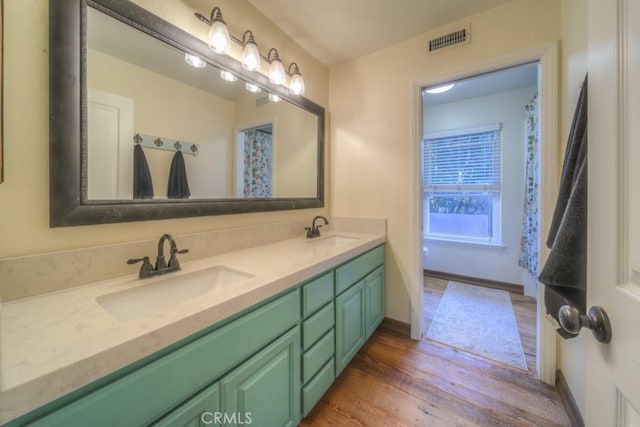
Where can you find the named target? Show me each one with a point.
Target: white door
(109, 146)
(613, 370)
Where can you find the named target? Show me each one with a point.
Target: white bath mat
(479, 320)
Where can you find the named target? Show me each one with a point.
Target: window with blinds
(461, 183)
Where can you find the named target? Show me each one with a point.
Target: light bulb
(227, 76)
(251, 57)
(194, 61)
(250, 54)
(274, 98)
(252, 88)
(219, 37)
(296, 85)
(276, 72)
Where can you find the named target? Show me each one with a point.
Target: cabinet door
(199, 411)
(374, 299)
(350, 327)
(265, 390)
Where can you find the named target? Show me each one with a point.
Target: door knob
(597, 320)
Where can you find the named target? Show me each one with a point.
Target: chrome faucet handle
(308, 229)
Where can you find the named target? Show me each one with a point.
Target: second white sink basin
(331, 241)
(166, 291)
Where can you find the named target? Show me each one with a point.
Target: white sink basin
(166, 291)
(331, 241)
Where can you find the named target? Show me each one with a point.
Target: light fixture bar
(251, 59)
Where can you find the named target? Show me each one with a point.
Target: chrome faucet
(314, 230)
(147, 270)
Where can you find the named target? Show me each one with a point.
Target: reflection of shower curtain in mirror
(258, 163)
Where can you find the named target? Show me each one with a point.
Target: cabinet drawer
(146, 394)
(354, 270)
(196, 411)
(318, 386)
(317, 293)
(316, 356)
(317, 325)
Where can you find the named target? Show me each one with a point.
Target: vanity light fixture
(276, 68)
(227, 76)
(218, 38)
(252, 88)
(194, 61)
(296, 85)
(274, 98)
(250, 54)
(440, 89)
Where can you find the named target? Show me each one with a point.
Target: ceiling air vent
(455, 38)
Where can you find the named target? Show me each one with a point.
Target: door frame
(547, 56)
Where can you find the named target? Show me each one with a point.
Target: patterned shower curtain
(257, 163)
(529, 242)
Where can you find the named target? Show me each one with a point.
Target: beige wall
(571, 353)
(168, 108)
(24, 196)
(371, 110)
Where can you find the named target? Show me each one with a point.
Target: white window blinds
(467, 160)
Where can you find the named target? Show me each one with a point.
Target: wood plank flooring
(394, 381)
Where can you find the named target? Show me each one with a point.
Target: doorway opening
(480, 180)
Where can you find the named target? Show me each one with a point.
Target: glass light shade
(219, 37)
(276, 72)
(296, 85)
(252, 88)
(194, 61)
(251, 57)
(274, 98)
(227, 76)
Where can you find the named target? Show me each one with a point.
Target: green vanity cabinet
(374, 300)
(265, 389)
(318, 342)
(350, 327)
(201, 410)
(267, 365)
(165, 380)
(359, 287)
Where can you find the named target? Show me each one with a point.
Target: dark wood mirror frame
(68, 126)
(1, 90)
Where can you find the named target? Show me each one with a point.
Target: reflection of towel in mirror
(565, 271)
(142, 184)
(178, 184)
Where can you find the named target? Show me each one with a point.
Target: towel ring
(597, 320)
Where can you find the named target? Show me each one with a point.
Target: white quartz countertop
(53, 344)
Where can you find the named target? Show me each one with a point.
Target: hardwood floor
(394, 381)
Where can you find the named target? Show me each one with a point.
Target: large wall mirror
(140, 131)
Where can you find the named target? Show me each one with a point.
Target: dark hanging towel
(565, 272)
(178, 184)
(142, 184)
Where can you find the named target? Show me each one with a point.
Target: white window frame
(495, 190)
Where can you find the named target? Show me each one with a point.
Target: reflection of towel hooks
(157, 143)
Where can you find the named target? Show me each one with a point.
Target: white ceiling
(335, 31)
